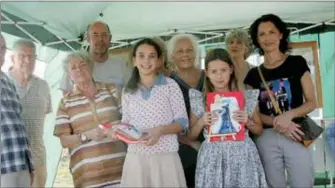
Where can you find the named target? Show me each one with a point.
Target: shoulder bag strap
(273, 101)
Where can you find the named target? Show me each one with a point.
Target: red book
(224, 127)
(125, 132)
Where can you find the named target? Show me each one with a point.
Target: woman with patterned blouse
(154, 104)
(95, 159)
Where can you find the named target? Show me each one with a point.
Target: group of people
(175, 152)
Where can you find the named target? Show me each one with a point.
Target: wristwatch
(83, 138)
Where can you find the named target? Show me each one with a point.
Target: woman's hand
(293, 132)
(31, 178)
(195, 145)
(185, 140)
(250, 123)
(241, 116)
(112, 133)
(95, 134)
(282, 122)
(152, 136)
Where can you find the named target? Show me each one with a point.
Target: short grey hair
(24, 42)
(171, 46)
(242, 36)
(82, 54)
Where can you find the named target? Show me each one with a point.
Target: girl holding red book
(224, 163)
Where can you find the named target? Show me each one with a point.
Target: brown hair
(222, 55)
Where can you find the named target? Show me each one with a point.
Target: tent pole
(118, 46)
(209, 38)
(61, 41)
(306, 28)
(19, 27)
(21, 23)
(202, 33)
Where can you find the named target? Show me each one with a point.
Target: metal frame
(214, 35)
(18, 24)
(20, 28)
(327, 22)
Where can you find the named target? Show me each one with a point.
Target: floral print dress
(228, 163)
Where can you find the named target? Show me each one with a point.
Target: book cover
(222, 106)
(127, 133)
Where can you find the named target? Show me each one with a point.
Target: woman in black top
(182, 53)
(289, 79)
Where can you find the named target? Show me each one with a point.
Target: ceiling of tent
(61, 25)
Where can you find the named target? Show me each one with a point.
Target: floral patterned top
(160, 105)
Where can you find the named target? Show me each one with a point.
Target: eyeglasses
(30, 57)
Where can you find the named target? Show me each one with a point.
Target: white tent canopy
(129, 20)
(66, 22)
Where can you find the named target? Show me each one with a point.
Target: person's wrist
(84, 137)
(249, 122)
(289, 115)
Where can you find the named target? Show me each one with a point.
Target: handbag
(310, 129)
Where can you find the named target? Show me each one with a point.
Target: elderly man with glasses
(34, 95)
(16, 161)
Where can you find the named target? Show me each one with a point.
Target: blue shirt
(15, 149)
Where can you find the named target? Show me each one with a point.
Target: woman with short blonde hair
(239, 48)
(95, 159)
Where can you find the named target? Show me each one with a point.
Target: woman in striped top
(96, 160)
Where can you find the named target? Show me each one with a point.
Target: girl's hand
(241, 116)
(208, 119)
(152, 136)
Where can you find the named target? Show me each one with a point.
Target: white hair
(171, 46)
(80, 53)
(24, 42)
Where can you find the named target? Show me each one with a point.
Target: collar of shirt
(22, 91)
(146, 92)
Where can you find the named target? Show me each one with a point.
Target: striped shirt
(96, 163)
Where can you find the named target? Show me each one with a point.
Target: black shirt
(284, 82)
(187, 154)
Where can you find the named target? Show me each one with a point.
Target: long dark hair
(222, 55)
(280, 25)
(132, 84)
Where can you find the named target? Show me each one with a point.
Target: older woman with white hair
(96, 160)
(239, 48)
(182, 54)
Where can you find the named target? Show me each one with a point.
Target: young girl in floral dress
(225, 163)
